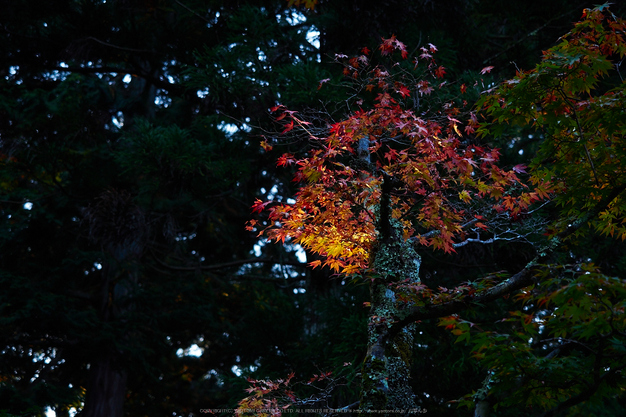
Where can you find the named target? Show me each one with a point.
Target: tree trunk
(106, 390)
(387, 366)
(482, 409)
(120, 227)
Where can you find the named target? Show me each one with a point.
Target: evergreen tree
(126, 181)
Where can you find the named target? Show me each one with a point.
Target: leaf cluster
(574, 99)
(564, 345)
(441, 181)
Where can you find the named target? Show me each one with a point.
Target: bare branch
(230, 264)
(497, 237)
(521, 279)
(436, 232)
(123, 48)
(192, 11)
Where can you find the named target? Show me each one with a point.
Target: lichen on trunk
(386, 368)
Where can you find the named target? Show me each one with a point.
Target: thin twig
(110, 45)
(193, 12)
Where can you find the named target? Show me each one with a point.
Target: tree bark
(106, 390)
(482, 409)
(387, 366)
(119, 225)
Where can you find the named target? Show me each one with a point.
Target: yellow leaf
(315, 264)
(465, 196)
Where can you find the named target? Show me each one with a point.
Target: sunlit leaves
(439, 180)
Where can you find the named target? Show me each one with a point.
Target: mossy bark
(386, 369)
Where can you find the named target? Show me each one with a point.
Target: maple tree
(439, 183)
(384, 181)
(566, 343)
(566, 99)
(181, 76)
(405, 174)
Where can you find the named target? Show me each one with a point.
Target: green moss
(386, 369)
(402, 347)
(374, 386)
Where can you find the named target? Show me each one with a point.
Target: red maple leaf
(288, 127)
(285, 159)
(404, 92)
(259, 205)
(392, 44)
(276, 108)
(520, 168)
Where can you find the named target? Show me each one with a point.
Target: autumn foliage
(444, 183)
(571, 100)
(413, 153)
(566, 341)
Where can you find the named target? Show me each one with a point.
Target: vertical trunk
(482, 409)
(481, 398)
(106, 390)
(120, 227)
(387, 366)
